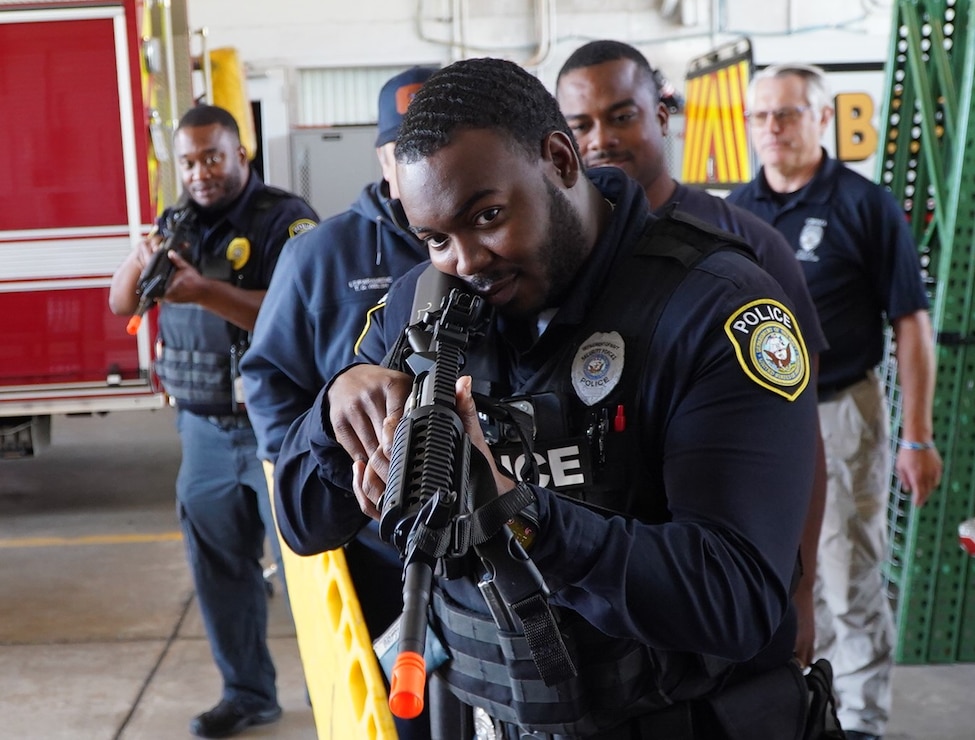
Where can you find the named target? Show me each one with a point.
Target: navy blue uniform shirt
(859, 258)
(731, 457)
(289, 216)
(771, 250)
(241, 246)
(316, 305)
(325, 283)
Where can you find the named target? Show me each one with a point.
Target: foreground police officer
(668, 381)
(208, 310)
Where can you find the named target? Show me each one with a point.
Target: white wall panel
(302, 33)
(334, 33)
(332, 55)
(344, 96)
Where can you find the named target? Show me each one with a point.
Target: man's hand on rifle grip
(147, 247)
(139, 257)
(369, 477)
(467, 411)
(187, 285)
(365, 402)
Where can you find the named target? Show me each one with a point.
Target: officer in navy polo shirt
(862, 268)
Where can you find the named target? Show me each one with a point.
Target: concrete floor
(100, 637)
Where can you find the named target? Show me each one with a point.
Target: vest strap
(548, 650)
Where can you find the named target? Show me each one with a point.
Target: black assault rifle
(441, 501)
(177, 231)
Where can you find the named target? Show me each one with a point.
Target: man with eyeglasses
(862, 268)
(238, 227)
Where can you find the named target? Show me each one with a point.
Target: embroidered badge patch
(770, 347)
(810, 237)
(598, 366)
(300, 226)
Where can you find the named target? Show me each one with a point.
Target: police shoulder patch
(300, 226)
(770, 347)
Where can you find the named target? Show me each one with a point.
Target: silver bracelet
(908, 445)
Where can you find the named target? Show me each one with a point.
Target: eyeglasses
(782, 116)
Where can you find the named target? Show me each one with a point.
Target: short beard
(566, 249)
(560, 258)
(233, 186)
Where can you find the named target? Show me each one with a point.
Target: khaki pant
(854, 623)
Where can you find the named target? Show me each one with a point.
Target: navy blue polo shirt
(770, 247)
(853, 243)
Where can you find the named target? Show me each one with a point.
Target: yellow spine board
(715, 139)
(229, 83)
(345, 682)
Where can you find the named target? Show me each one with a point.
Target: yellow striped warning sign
(715, 139)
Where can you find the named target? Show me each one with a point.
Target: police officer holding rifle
(666, 382)
(212, 277)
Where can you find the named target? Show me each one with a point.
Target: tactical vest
(197, 351)
(617, 679)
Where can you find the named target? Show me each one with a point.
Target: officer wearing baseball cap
(395, 98)
(313, 312)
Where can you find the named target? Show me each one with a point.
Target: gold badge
(770, 347)
(238, 252)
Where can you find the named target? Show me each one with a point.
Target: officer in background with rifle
(221, 245)
(661, 382)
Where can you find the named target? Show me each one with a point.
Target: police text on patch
(758, 314)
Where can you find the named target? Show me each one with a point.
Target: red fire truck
(89, 92)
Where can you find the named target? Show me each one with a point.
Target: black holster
(772, 704)
(823, 724)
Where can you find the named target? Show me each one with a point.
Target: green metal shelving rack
(927, 160)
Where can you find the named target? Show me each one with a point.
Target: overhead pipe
(544, 17)
(545, 23)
